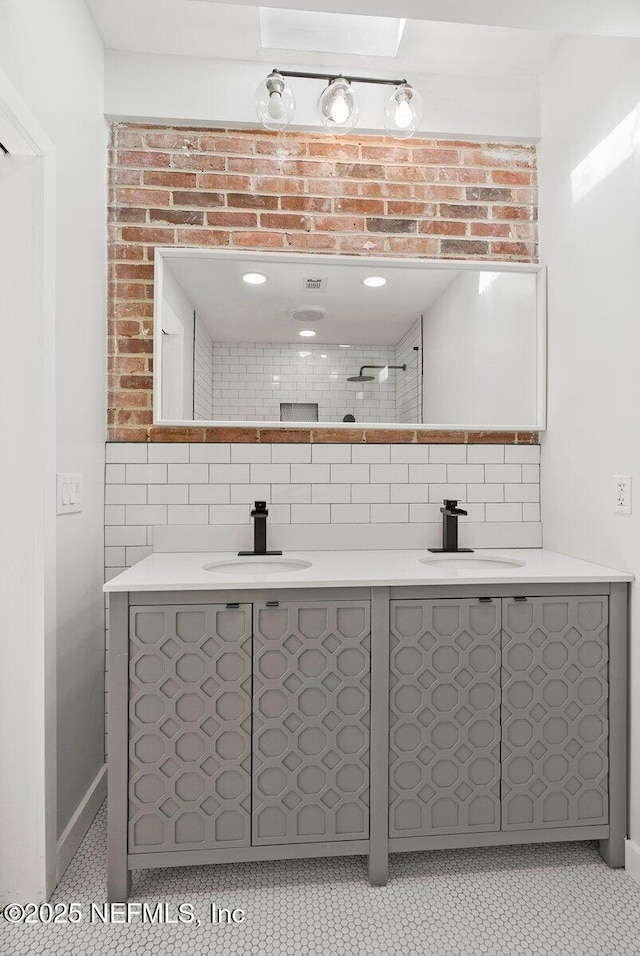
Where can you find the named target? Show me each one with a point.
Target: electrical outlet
(68, 494)
(622, 494)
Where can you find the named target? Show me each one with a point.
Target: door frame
(23, 136)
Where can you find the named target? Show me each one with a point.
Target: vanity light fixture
(374, 282)
(254, 278)
(338, 104)
(307, 333)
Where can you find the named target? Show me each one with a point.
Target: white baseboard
(79, 823)
(632, 859)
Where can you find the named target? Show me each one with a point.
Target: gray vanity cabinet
(444, 753)
(311, 722)
(189, 727)
(555, 729)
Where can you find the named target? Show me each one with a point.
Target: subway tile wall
(320, 496)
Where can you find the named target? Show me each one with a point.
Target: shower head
(360, 377)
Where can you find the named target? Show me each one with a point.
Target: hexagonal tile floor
(551, 900)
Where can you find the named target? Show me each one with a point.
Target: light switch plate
(622, 494)
(68, 494)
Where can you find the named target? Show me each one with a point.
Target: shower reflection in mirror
(338, 340)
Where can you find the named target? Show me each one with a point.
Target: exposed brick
(178, 217)
(390, 436)
(488, 194)
(171, 179)
(251, 201)
(464, 247)
(444, 437)
(392, 225)
(491, 438)
(461, 211)
(356, 195)
(198, 198)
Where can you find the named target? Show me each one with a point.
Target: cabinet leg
(612, 851)
(378, 867)
(118, 885)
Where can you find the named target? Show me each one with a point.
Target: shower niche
(295, 339)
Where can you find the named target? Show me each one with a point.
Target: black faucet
(450, 514)
(259, 514)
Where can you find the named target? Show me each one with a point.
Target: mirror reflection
(296, 338)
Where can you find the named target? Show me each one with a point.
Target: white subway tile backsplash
(531, 473)
(503, 473)
(352, 514)
(424, 513)
(209, 494)
(525, 454)
(229, 474)
(291, 494)
(188, 514)
(165, 452)
(409, 454)
(146, 514)
(330, 494)
(448, 454)
(522, 492)
(387, 474)
(364, 494)
(503, 512)
(168, 494)
(438, 493)
(247, 494)
(291, 454)
(229, 514)
(331, 454)
(425, 474)
(270, 474)
(250, 454)
(398, 513)
(310, 514)
(530, 512)
(214, 453)
(125, 494)
(114, 514)
(313, 474)
(115, 474)
(410, 492)
(146, 474)
(137, 553)
(125, 534)
(189, 474)
(126, 452)
(485, 492)
(468, 473)
(350, 474)
(114, 557)
(485, 454)
(370, 454)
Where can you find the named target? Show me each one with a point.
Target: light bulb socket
(339, 106)
(275, 103)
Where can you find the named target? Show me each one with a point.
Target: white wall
(194, 90)
(479, 352)
(51, 52)
(592, 248)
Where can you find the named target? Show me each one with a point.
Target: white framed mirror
(290, 339)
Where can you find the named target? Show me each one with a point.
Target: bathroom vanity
(333, 703)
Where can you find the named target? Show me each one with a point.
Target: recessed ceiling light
(307, 333)
(254, 278)
(374, 282)
(304, 354)
(344, 346)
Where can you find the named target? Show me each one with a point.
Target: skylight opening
(315, 32)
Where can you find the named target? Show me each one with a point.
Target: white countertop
(183, 571)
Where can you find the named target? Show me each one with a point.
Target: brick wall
(303, 192)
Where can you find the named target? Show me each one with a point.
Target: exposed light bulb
(340, 109)
(307, 333)
(404, 115)
(276, 106)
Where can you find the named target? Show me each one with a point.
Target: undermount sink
(471, 562)
(257, 565)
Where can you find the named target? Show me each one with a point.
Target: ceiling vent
(308, 315)
(315, 285)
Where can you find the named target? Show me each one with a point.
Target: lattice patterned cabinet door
(311, 722)
(444, 759)
(190, 727)
(554, 712)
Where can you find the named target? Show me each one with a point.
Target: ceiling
(232, 31)
(354, 314)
